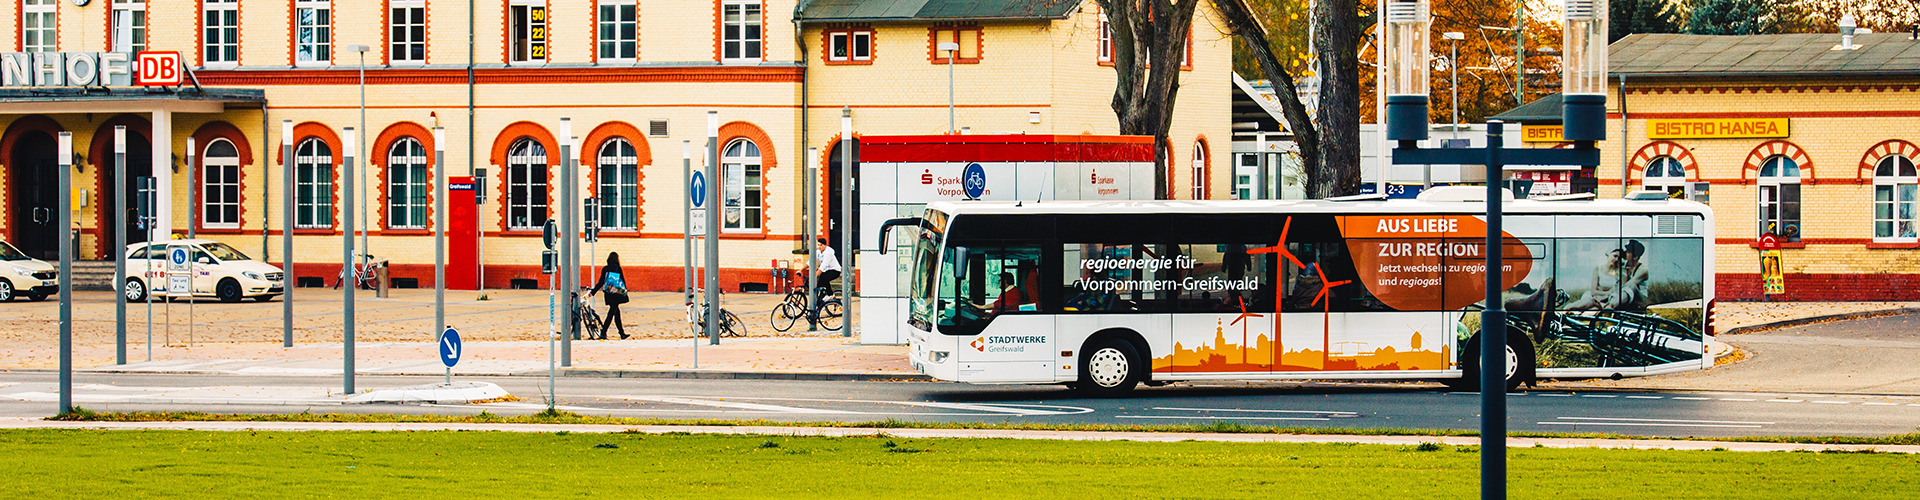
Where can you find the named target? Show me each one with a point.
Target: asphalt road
(1867, 356)
(1637, 413)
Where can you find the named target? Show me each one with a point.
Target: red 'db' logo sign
(157, 68)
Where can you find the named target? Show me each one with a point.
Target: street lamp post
(952, 49)
(365, 229)
(1584, 121)
(1453, 64)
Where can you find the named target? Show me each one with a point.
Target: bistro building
(636, 80)
(1809, 137)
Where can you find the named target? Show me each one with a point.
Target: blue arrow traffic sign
(450, 347)
(697, 189)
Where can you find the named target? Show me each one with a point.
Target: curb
(734, 375)
(1741, 330)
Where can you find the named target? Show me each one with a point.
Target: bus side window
(1328, 259)
(994, 280)
(1224, 278)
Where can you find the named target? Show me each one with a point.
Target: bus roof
(1522, 206)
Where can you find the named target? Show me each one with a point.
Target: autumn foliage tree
(1149, 45)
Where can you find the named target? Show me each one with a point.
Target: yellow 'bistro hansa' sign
(1716, 128)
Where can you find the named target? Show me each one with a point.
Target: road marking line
(1881, 404)
(1649, 425)
(1829, 402)
(1668, 420)
(1678, 398)
(1260, 411)
(1554, 395)
(1644, 397)
(737, 405)
(987, 408)
(1786, 401)
(1593, 396)
(1736, 399)
(1224, 418)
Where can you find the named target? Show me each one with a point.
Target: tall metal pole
(1493, 338)
(950, 121)
(850, 250)
(366, 228)
(66, 272)
(193, 200)
(1519, 53)
(715, 184)
(346, 264)
(119, 249)
(569, 243)
(813, 226)
(1260, 163)
(686, 220)
(439, 234)
(286, 233)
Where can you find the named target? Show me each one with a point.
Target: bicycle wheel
(830, 314)
(783, 317)
(730, 325)
(591, 324)
(694, 322)
(796, 299)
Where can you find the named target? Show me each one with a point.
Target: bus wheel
(1109, 367)
(1519, 363)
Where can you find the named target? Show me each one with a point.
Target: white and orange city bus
(1106, 295)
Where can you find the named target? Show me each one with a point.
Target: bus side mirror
(886, 229)
(960, 255)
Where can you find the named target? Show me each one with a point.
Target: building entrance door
(35, 194)
(834, 200)
(139, 164)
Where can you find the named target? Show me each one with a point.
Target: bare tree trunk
(1242, 24)
(1338, 32)
(1149, 46)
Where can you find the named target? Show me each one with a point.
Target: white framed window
(740, 31)
(619, 185)
(850, 46)
(1199, 170)
(221, 40)
(407, 32)
(129, 25)
(967, 37)
(526, 185)
(407, 183)
(528, 31)
(1780, 198)
(740, 168)
(313, 185)
(619, 30)
(1667, 174)
(313, 32)
(220, 185)
(1895, 188)
(39, 25)
(1106, 40)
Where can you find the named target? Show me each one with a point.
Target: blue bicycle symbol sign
(974, 181)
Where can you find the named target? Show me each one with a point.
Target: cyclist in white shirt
(829, 265)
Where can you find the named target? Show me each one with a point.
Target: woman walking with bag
(615, 284)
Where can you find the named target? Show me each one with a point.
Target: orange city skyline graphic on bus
(1373, 242)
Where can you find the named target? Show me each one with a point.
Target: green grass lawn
(441, 464)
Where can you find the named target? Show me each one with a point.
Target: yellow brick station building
(1794, 135)
(636, 79)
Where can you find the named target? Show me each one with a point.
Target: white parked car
(217, 270)
(23, 276)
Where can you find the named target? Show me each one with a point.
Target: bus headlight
(939, 356)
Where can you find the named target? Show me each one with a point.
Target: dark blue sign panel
(697, 189)
(974, 180)
(450, 348)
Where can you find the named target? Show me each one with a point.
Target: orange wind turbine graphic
(1243, 328)
(1326, 313)
(1279, 247)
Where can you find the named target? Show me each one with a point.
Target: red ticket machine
(463, 237)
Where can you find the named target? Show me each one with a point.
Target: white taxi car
(215, 270)
(23, 276)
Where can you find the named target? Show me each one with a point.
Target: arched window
(1780, 198)
(1665, 173)
(741, 170)
(1894, 189)
(1199, 170)
(220, 186)
(619, 185)
(313, 184)
(407, 185)
(526, 185)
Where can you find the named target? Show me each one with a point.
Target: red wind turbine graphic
(1243, 328)
(1326, 288)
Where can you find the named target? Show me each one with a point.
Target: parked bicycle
(730, 324)
(362, 272)
(586, 321)
(827, 314)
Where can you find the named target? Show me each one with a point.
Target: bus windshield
(926, 250)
